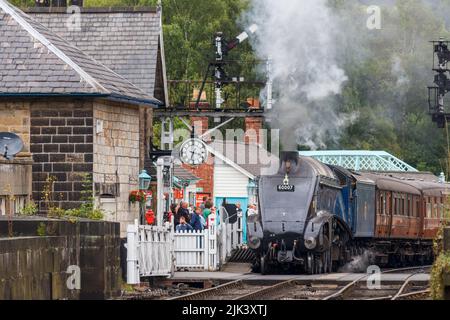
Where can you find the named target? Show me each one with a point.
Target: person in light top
(183, 225)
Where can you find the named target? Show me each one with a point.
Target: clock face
(193, 152)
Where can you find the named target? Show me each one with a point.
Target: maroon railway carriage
(408, 213)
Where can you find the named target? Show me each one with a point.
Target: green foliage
(87, 208)
(41, 229)
(441, 266)
(30, 209)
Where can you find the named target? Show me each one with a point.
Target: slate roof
(178, 171)
(124, 39)
(183, 174)
(33, 60)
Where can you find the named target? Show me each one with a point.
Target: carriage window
(408, 205)
(2, 206)
(383, 203)
(405, 205)
(396, 204)
(415, 206)
(436, 208)
(445, 208)
(402, 204)
(442, 209)
(429, 208)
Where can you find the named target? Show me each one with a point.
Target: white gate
(158, 251)
(195, 250)
(231, 237)
(149, 251)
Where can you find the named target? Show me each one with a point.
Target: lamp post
(144, 184)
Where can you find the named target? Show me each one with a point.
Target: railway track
(299, 290)
(243, 290)
(406, 290)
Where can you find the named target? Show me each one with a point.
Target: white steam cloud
(299, 36)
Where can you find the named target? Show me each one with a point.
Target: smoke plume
(321, 48)
(299, 37)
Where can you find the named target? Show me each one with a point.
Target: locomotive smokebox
(289, 162)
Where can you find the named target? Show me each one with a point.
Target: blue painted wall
(244, 203)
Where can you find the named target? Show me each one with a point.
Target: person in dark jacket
(182, 211)
(196, 221)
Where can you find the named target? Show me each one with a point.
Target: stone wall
(35, 267)
(15, 117)
(15, 177)
(60, 135)
(31, 268)
(61, 143)
(15, 185)
(117, 159)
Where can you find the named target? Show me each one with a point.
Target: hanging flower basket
(137, 196)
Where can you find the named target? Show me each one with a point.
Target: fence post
(206, 249)
(223, 242)
(212, 246)
(132, 256)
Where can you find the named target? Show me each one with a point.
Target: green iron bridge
(361, 160)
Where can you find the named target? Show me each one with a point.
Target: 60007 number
(285, 188)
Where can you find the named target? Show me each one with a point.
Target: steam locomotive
(315, 218)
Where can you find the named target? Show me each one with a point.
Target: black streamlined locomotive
(314, 217)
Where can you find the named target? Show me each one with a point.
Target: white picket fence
(158, 251)
(195, 250)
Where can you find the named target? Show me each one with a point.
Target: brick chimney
(205, 171)
(253, 125)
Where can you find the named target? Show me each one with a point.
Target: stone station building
(75, 114)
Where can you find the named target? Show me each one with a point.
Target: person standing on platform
(183, 211)
(203, 204)
(183, 226)
(196, 221)
(207, 210)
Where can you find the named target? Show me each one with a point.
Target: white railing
(149, 251)
(158, 251)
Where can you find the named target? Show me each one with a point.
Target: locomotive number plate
(285, 188)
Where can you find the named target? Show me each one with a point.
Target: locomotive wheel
(328, 262)
(256, 267)
(263, 265)
(318, 265)
(310, 263)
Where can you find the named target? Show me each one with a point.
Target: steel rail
(282, 285)
(266, 291)
(415, 293)
(352, 284)
(346, 288)
(206, 292)
(406, 268)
